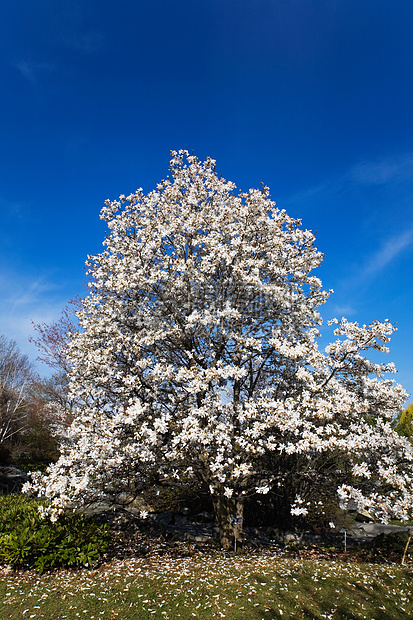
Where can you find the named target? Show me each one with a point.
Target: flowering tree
(198, 359)
(52, 341)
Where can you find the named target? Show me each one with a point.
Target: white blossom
(263, 489)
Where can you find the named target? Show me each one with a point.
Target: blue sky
(312, 98)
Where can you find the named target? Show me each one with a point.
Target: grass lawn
(212, 584)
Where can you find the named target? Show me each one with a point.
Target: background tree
(27, 422)
(198, 361)
(404, 422)
(52, 341)
(16, 382)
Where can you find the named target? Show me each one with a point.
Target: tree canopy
(404, 422)
(198, 360)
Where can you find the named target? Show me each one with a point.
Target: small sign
(236, 520)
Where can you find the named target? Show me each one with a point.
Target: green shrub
(386, 544)
(27, 540)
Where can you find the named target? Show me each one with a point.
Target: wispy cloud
(31, 70)
(26, 300)
(326, 188)
(365, 197)
(387, 253)
(373, 265)
(12, 208)
(393, 169)
(386, 170)
(31, 293)
(340, 310)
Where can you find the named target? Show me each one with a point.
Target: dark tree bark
(224, 509)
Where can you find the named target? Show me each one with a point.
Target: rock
(364, 517)
(168, 518)
(371, 530)
(292, 537)
(134, 504)
(97, 508)
(124, 503)
(119, 521)
(203, 517)
(12, 479)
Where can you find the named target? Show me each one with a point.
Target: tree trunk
(225, 508)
